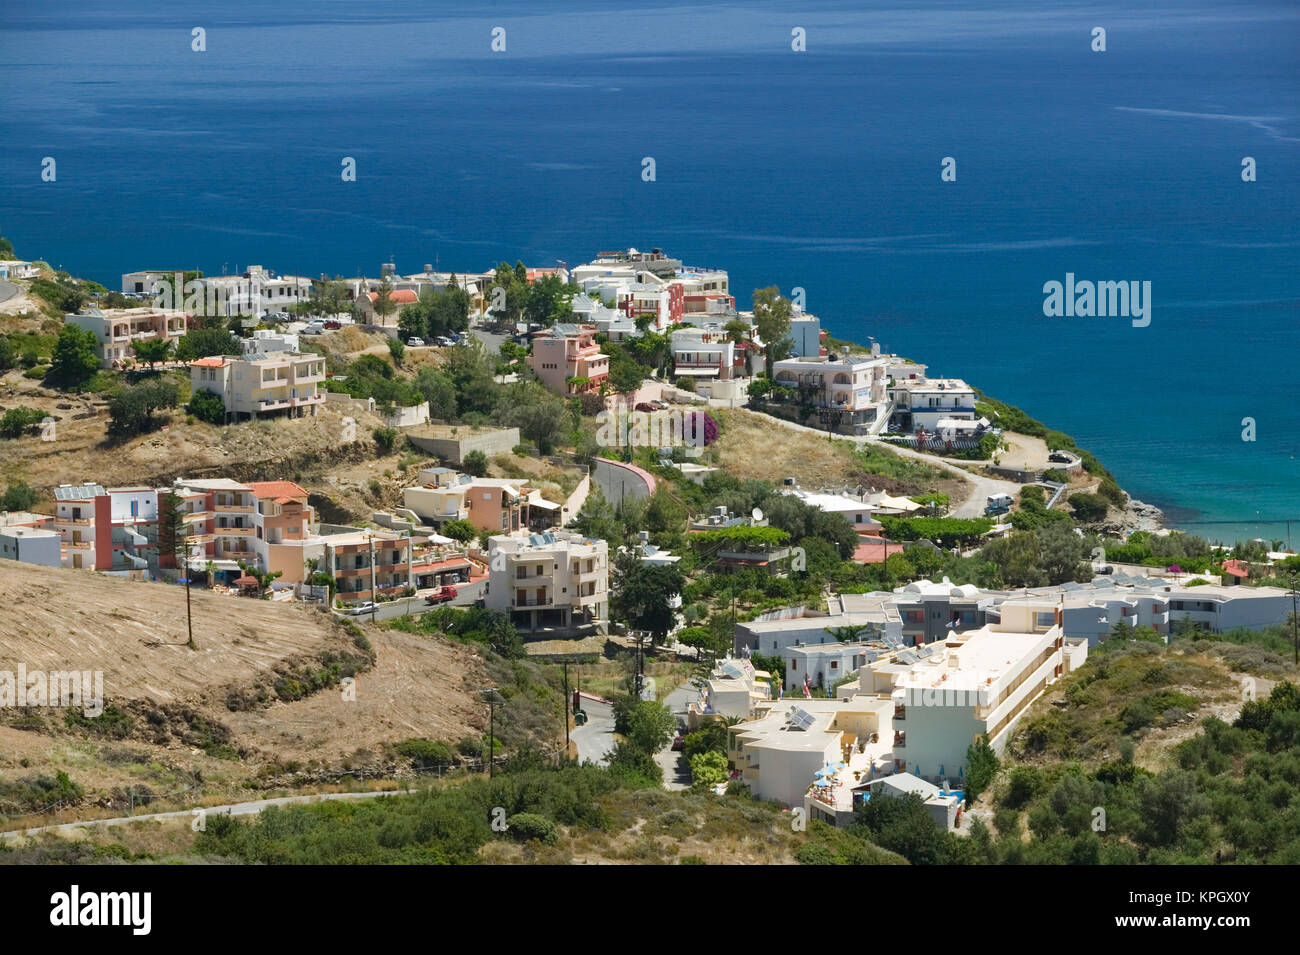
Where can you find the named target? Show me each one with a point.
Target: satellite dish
(756, 513)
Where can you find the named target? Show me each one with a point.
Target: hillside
(215, 718)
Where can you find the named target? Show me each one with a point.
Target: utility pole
(189, 618)
(1295, 621)
(374, 592)
(492, 731)
(568, 705)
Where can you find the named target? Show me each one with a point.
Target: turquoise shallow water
(816, 169)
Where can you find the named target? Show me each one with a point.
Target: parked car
(441, 595)
(331, 325)
(415, 342)
(645, 406)
(367, 607)
(660, 404)
(314, 329)
(678, 742)
(444, 341)
(1060, 457)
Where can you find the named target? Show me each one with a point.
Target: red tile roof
(875, 552)
(276, 489)
(1236, 568)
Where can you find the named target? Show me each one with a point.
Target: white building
(17, 269)
(853, 386)
(117, 330)
(974, 684)
(929, 402)
(31, 545)
(781, 751)
(553, 581)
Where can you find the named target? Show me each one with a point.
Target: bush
(532, 827)
(19, 421)
(814, 853)
(207, 406)
(1088, 508)
(385, 438)
(19, 496)
(134, 410)
(426, 753)
(475, 463)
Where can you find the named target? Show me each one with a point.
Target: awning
(545, 505)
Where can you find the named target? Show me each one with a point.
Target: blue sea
(816, 169)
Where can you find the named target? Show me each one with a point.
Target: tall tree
(74, 362)
(772, 315)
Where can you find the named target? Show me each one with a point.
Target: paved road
(233, 809)
(466, 595)
(8, 290)
(595, 738)
(677, 771)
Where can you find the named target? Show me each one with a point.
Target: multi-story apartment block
(505, 505)
(698, 353)
(255, 293)
(116, 330)
(850, 387)
(369, 562)
(282, 529)
(934, 404)
(626, 263)
(264, 524)
(553, 581)
(568, 361)
(704, 291)
(278, 383)
(974, 684)
(109, 530)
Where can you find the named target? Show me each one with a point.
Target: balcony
(595, 575)
(272, 404)
(900, 740)
(232, 531)
(233, 508)
(78, 521)
(318, 399)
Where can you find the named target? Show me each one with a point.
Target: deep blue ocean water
(817, 169)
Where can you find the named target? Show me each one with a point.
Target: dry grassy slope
(136, 632)
(755, 446)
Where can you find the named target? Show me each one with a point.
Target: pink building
(568, 361)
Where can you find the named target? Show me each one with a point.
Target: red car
(441, 595)
(678, 742)
(333, 325)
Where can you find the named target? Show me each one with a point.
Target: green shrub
(207, 406)
(531, 827)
